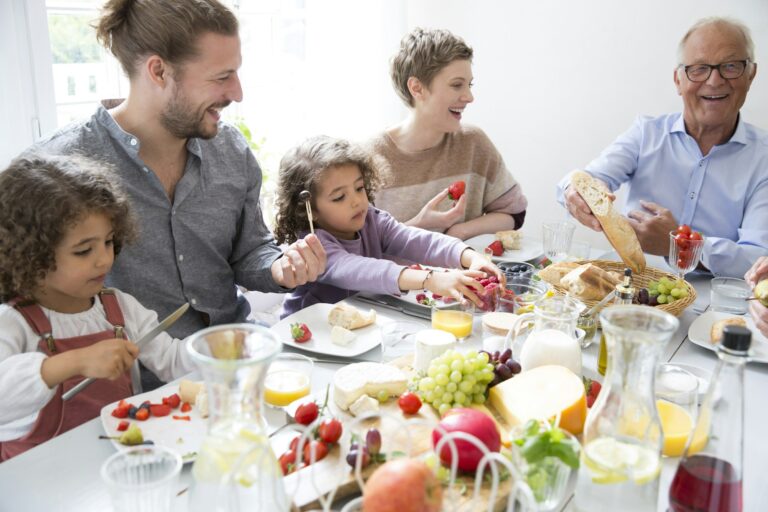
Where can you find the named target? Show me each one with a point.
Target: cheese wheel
(541, 394)
(431, 343)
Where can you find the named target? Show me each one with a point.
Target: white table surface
(63, 474)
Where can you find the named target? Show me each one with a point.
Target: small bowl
(518, 272)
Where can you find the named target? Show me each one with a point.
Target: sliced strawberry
(160, 409)
(183, 418)
(300, 333)
(495, 248)
(173, 401)
(142, 414)
(123, 426)
(185, 407)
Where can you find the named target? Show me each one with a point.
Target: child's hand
(457, 284)
(107, 359)
(473, 260)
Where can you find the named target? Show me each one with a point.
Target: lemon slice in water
(611, 461)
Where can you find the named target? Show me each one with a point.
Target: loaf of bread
(511, 240)
(590, 282)
(349, 317)
(615, 226)
(716, 333)
(555, 272)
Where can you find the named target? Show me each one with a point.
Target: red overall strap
(112, 310)
(36, 319)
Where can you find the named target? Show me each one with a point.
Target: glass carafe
(235, 469)
(552, 340)
(622, 440)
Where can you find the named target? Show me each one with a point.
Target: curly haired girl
(360, 240)
(63, 223)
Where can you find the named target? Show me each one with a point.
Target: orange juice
(676, 424)
(458, 323)
(284, 386)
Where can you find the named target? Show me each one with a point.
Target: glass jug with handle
(235, 469)
(622, 439)
(552, 339)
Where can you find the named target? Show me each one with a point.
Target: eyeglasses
(727, 70)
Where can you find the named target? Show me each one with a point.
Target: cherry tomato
(684, 229)
(319, 448)
(306, 413)
(682, 241)
(288, 462)
(696, 236)
(409, 403)
(330, 430)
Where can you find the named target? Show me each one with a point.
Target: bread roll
(716, 333)
(349, 317)
(189, 389)
(555, 272)
(589, 282)
(510, 240)
(615, 226)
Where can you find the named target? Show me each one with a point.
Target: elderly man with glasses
(705, 167)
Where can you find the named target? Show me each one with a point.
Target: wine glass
(684, 252)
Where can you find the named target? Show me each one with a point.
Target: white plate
(531, 248)
(182, 437)
(699, 330)
(316, 318)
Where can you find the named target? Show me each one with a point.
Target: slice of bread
(555, 272)
(615, 226)
(349, 317)
(716, 333)
(511, 240)
(590, 282)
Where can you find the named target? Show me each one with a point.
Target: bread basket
(641, 280)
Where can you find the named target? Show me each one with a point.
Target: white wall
(557, 81)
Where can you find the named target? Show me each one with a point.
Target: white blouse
(23, 393)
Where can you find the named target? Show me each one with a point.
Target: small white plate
(316, 318)
(180, 436)
(699, 331)
(531, 248)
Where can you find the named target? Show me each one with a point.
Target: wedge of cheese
(341, 336)
(349, 317)
(542, 393)
(431, 343)
(358, 379)
(364, 404)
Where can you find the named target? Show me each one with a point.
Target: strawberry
(420, 297)
(142, 414)
(415, 266)
(592, 388)
(160, 409)
(185, 407)
(456, 190)
(436, 296)
(495, 248)
(300, 333)
(123, 426)
(590, 401)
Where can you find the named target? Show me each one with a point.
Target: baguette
(716, 333)
(511, 240)
(615, 226)
(590, 282)
(349, 317)
(555, 272)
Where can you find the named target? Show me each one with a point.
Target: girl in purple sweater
(360, 240)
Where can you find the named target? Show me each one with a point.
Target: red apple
(471, 422)
(403, 485)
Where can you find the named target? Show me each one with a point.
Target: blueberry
(132, 412)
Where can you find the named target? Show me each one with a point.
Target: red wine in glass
(705, 484)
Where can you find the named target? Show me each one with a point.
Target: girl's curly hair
(41, 197)
(301, 168)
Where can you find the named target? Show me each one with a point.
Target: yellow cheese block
(542, 393)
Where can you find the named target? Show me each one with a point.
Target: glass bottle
(709, 476)
(622, 440)
(235, 467)
(623, 295)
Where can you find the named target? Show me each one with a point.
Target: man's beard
(184, 122)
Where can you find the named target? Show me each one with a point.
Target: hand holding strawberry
(456, 190)
(300, 333)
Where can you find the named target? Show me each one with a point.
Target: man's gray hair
(719, 20)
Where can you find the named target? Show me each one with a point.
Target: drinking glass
(579, 251)
(557, 237)
(398, 338)
(142, 478)
(677, 392)
(729, 295)
(519, 298)
(455, 318)
(289, 378)
(684, 255)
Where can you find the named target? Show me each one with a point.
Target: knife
(149, 335)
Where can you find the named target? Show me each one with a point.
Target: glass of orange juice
(677, 393)
(289, 378)
(455, 318)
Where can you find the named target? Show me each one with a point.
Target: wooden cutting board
(333, 472)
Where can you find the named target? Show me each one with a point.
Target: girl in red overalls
(62, 221)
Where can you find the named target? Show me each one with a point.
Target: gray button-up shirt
(197, 248)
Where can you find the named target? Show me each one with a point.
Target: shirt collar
(739, 136)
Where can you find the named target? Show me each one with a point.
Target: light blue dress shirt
(724, 194)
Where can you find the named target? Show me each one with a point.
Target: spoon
(304, 195)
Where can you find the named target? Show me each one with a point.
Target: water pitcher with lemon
(235, 467)
(622, 440)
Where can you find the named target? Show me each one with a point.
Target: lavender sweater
(361, 264)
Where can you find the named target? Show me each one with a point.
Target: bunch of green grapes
(456, 379)
(665, 291)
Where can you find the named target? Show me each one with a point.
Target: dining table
(63, 474)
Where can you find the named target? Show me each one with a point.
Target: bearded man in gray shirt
(193, 181)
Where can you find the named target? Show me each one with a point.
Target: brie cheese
(431, 343)
(364, 404)
(358, 379)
